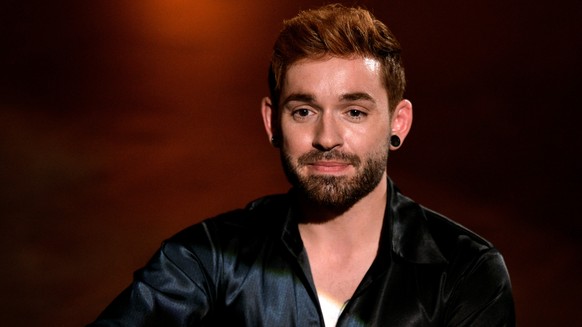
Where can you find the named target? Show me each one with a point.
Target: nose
(327, 133)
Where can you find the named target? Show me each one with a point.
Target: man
(344, 247)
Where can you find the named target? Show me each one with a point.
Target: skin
(337, 104)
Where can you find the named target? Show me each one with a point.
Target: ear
(268, 117)
(401, 120)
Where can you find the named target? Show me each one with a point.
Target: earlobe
(401, 123)
(395, 141)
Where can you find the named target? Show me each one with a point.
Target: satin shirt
(249, 268)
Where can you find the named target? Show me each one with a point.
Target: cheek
(294, 148)
(368, 137)
(296, 138)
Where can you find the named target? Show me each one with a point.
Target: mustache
(336, 155)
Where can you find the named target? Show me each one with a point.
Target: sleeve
(176, 288)
(483, 296)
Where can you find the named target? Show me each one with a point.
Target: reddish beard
(338, 193)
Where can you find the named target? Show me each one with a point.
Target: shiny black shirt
(249, 268)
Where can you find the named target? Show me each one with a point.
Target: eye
(356, 114)
(301, 113)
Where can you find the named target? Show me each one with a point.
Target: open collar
(410, 234)
(405, 230)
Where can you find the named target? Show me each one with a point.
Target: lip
(329, 166)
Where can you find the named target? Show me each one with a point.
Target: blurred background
(122, 122)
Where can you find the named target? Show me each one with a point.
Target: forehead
(335, 75)
(357, 64)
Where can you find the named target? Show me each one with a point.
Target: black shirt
(249, 268)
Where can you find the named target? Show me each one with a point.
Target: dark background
(122, 122)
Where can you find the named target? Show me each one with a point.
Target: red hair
(340, 31)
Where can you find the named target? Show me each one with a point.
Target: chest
(336, 277)
(282, 294)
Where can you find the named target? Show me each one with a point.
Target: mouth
(332, 162)
(329, 166)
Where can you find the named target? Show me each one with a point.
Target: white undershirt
(331, 310)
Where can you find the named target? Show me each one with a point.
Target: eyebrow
(357, 96)
(301, 97)
(308, 98)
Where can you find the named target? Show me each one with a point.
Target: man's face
(335, 129)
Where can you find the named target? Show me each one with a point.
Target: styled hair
(339, 31)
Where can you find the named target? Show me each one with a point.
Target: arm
(174, 289)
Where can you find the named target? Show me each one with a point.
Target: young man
(344, 247)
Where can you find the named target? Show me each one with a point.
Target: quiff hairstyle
(338, 31)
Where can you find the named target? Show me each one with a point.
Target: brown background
(122, 122)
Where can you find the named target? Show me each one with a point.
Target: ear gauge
(276, 141)
(395, 141)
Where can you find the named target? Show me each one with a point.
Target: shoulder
(469, 256)
(450, 235)
(422, 235)
(259, 216)
(466, 250)
(477, 282)
(200, 250)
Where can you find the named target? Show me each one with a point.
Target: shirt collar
(411, 236)
(405, 226)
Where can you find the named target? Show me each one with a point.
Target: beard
(338, 193)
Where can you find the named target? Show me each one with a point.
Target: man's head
(339, 31)
(336, 100)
